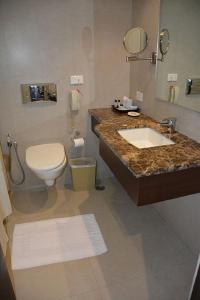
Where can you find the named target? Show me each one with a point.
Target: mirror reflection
(178, 77)
(135, 40)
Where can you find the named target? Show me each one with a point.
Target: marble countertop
(184, 154)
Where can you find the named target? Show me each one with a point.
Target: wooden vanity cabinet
(149, 189)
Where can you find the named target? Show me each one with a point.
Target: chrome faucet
(170, 123)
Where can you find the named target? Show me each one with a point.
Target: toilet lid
(46, 156)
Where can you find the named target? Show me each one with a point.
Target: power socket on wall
(172, 77)
(76, 79)
(139, 96)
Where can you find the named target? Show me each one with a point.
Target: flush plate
(39, 92)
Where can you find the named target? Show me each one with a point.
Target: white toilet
(47, 161)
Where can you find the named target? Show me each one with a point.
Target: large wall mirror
(178, 76)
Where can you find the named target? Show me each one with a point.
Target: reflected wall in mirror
(182, 62)
(135, 40)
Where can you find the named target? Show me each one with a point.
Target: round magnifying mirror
(135, 40)
(164, 41)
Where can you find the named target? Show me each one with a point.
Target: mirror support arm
(151, 59)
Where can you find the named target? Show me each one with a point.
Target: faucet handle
(169, 122)
(166, 121)
(173, 121)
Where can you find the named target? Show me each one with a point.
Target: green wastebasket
(83, 172)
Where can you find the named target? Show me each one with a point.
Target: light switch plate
(76, 79)
(172, 77)
(139, 96)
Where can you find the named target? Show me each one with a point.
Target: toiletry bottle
(115, 103)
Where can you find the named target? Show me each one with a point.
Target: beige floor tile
(146, 288)
(131, 290)
(80, 276)
(175, 282)
(48, 282)
(40, 205)
(117, 266)
(145, 259)
(88, 202)
(92, 295)
(33, 201)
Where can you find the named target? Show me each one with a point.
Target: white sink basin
(144, 137)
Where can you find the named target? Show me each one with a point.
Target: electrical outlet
(139, 96)
(76, 79)
(172, 77)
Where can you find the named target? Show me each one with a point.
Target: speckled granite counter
(184, 154)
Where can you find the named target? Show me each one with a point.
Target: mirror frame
(124, 40)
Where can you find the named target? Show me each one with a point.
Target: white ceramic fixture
(47, 161)
(144, 137)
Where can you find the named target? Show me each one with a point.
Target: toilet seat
(46, 156)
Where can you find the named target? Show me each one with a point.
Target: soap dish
(133, 114)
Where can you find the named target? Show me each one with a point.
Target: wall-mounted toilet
(47, 161)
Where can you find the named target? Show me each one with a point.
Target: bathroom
(152, 250)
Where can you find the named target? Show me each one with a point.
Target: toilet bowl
(47, 161)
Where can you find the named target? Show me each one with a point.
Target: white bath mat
(56, 240)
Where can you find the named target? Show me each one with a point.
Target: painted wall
(47, 41)
(183, 214)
